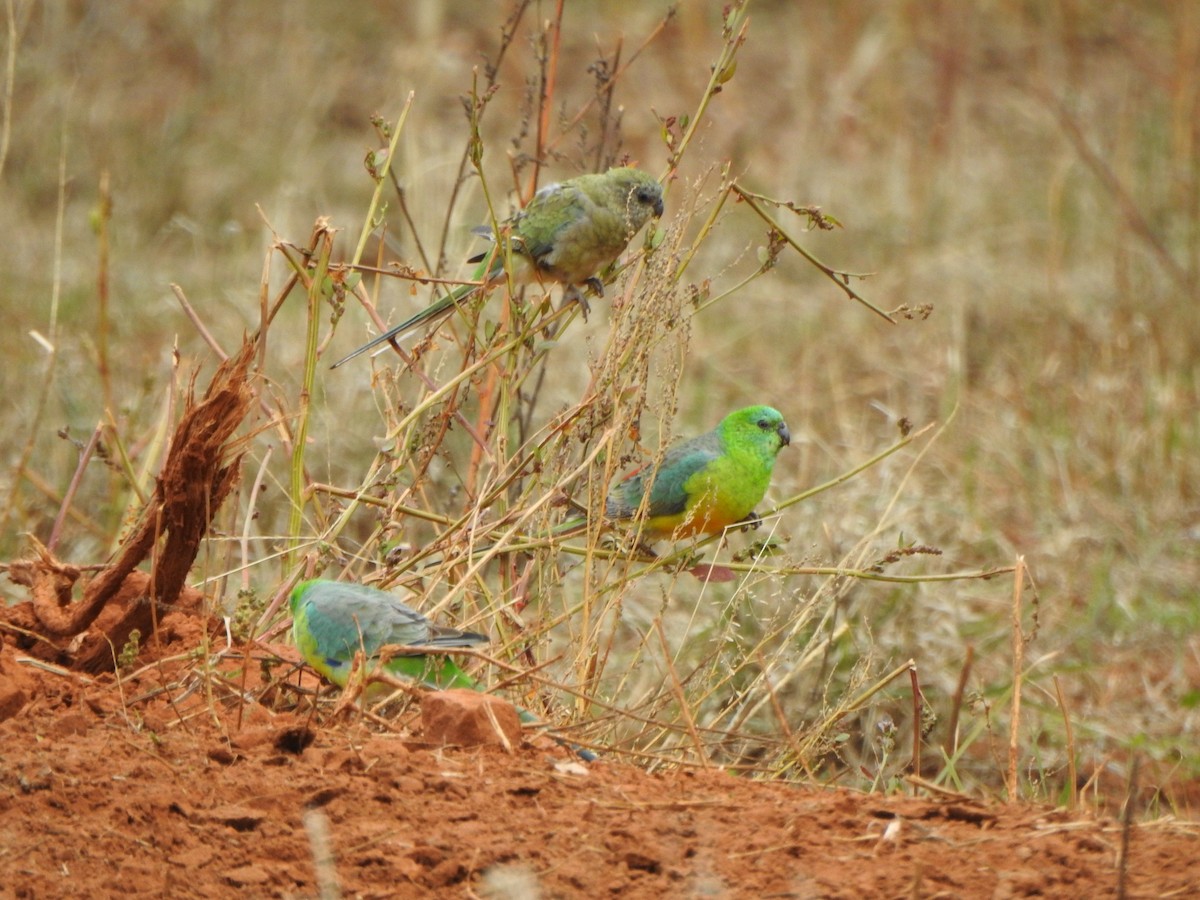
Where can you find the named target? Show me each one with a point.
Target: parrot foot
(752, 522)
(573, 294)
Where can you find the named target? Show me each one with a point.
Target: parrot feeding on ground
(333, 620)
(569, 231)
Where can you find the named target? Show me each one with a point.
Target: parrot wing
(536, 231)
(336, 619)
(669, 494)
(540, 226)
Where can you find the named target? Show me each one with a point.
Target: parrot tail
(430, 313)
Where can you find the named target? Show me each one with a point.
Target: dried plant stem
(850, 473)
(1124, 197)
(788, 735)
(198, 323)
(369, 220)
(116, 444)
(1127, 826)
(680, 697)
(549, 76)
(570, 125)
(736, 23)
(956, 702)
(76, 479)
(706, 228)
(322, 242)
(841, 279)
(1018, 664)
(1072, 790)
(917, 720)
(103, 326)
(10, 79)
(251, 502)
(817, 733)
(54, 496)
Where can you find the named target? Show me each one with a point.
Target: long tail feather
(428, 314)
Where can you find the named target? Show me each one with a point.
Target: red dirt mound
(162, 784)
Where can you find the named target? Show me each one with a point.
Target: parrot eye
(644, 195)
(765, 424)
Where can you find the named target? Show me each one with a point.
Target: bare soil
(162, 784)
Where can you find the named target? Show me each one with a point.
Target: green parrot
(705, 484)
(568, 232)
(702, 485)
(333, 620)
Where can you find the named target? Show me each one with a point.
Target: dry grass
(1030, 173)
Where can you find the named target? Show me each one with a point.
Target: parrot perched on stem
(705, 484)
(334, 620)
(702, 485)
(569, 231)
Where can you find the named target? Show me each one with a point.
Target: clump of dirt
(167, 782)
(121, 602)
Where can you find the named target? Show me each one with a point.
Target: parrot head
(758, 425)
(642, 193)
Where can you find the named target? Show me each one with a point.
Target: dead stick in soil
(1126, 827)
(1018, 647)
(956, 702)
(1099, 767)
(1073, 797)
(916, 702)
(938, 789)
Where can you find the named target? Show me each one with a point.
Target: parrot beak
(784, 435)
(658, 208)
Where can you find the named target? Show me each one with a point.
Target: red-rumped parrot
(569, 231)
(705, 484)
(334, 620)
